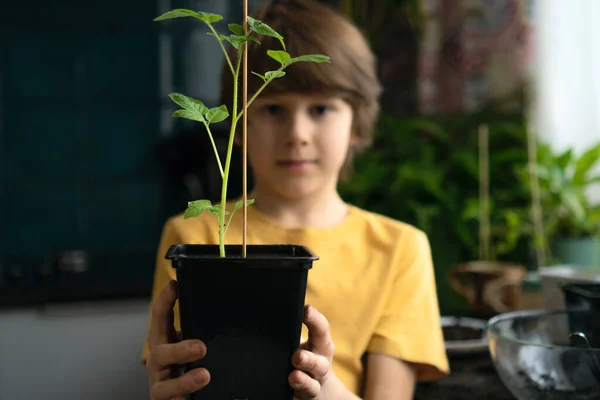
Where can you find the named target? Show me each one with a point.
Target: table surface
(475, 375)
(470, 377)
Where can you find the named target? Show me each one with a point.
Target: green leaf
(236, 41)
(274, 74)
(251, 38)
(574, 203)
(240, 203)
(257, 74)
(189, 114)
(237, 29)
(513, 230)
(592, 180)
(433, 129)
(565, 159)
(177, 13)
(279, 55)
(467, 160)
(188, 103)
(586, 162)
(217, 114)
(263, 29)
(216, 209)
(471, 210)
(182, 12)
(510, 156)
(196, 208)
(208, 17)
(542, 172)
(316, 58)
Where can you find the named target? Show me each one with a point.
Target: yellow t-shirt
(374, 282)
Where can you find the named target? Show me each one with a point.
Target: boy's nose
(298, 130)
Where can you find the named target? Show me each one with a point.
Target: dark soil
(452, 333)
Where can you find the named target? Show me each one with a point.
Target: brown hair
(309, 27)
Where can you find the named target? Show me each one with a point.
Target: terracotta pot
(490, 287)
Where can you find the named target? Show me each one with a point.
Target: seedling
(194, 109)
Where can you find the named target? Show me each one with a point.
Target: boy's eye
(320, 110)
(273, 109)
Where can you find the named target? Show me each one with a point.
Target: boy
(372, 291)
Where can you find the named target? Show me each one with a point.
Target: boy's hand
(166, 355)
(313, 359)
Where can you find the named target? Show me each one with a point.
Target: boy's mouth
(296, 164)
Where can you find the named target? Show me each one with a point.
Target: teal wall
(79, 103)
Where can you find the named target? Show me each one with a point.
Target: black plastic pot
(585, 296)
(249, 313)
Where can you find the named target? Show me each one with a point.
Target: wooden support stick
(484, 193)
(245, 134)
(536, 205)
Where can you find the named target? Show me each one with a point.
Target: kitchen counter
(472, 377)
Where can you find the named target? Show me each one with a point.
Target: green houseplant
(247, 308)
(571, 222)
(490, 286)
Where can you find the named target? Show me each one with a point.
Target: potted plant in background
(490, 286)
(245, 302)
(571, 221)
(562, 223)
(569, 231)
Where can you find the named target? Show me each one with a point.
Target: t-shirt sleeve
(409, 327)
(163, 273)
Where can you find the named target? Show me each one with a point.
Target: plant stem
(212, 140)
(229, 221)
(264, 85)
(228, 158)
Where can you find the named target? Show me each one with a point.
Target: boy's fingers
(161, 325)
(179, 387)
(313, 364)
(305, 388)
(319, 338)
(166, 355)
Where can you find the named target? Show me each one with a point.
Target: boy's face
(297, 143)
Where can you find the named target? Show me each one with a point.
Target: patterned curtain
(474, 54)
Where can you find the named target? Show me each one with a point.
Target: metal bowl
(542, 354)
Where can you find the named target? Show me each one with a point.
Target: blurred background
(92, 163)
